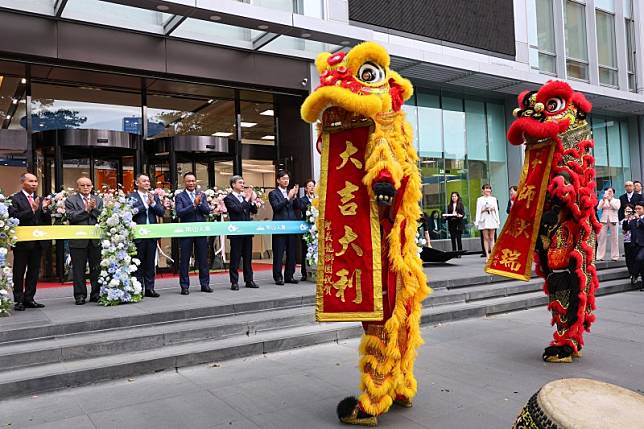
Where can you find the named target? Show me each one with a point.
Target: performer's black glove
(550, 218)
(385, 193)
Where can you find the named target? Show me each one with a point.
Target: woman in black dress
(455, 221)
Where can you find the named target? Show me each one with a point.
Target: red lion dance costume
(369, 269)
(553, 217)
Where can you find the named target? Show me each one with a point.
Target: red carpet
(256, 268)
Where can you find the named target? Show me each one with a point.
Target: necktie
(192, 196)
(30, 198)
(241, 198)
(86, 199)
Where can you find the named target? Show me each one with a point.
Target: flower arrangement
(166, 196)
(215, 198)
(311, 236)
(57, 207)
(7, 240)
(261, 196)
(118, 284)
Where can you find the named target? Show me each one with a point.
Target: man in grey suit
(83, 208)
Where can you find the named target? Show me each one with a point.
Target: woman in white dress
(487, 217)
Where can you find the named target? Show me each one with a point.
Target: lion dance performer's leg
(570, 286)
(388, 348)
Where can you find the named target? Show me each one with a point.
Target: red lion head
(554, 109)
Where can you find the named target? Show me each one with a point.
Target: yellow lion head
(359, 82)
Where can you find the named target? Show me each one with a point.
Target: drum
(580, 403)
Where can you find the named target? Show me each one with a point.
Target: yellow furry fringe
(387, 365)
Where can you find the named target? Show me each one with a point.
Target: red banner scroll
(512, 253)
(349, 277)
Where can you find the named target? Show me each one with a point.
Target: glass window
(467, 129)
(45, 7)
(602, 172)
(626, 148)
(116, 15)
(546, 34)
(213, 32)
(630, 54)
(89, 107)
(606, 48)
(498, 170)
(430, 143)
(309, 7)
(257, 123)
(285, 45)
(12, 95)
(475, 130)
(628, 8)
(176, 108)
(430, 125)
(607, 5)
(453, 128)
(616, 170)
(576, 45)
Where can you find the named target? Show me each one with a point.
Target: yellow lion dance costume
(359, 90)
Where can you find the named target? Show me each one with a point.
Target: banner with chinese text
(512, 253)
(349, 277)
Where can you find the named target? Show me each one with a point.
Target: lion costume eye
(371, 73)
(555, 104)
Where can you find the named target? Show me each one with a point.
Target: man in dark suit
(305, 204)
(285, 206)
(628, 197)
(240, 203)
(636, 227)
(30, 210)
(192, 206)
(83, 208)
(148, 208)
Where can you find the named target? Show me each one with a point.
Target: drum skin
(580, 403)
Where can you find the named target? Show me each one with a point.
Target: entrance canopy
(298, 28)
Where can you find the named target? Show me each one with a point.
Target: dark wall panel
(21, 34)
(481, 24)
(107, 46)
(213, 62)
(294, 138)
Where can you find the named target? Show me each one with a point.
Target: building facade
(112, 88)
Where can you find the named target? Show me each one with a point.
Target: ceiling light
(215, 18)
(222, 134)
(263, 27)
(247, 124)
(14, 100)
(6, 118)
(268, 112)
(268, 138)
(23, 80)
(210, 101)
(162, 7)
(305, 35)
(345, 42)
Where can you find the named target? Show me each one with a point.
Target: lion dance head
(356, 85)
(552, 110)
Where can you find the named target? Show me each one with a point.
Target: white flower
(6, 270)
(114, 282)
(3, 251)
(133, 268)
(106, 244)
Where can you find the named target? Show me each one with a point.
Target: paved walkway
(472, 374)
(60, 305)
